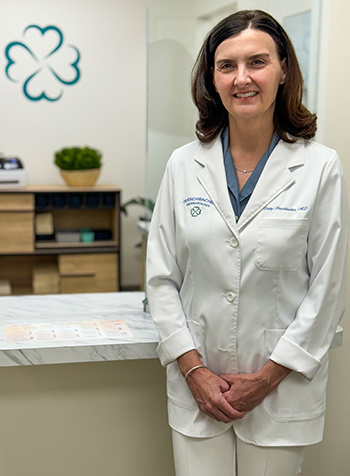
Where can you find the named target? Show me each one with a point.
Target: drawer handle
(77, 274)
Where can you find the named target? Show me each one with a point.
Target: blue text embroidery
(203, 202)
(286, 209)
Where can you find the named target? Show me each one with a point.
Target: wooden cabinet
(92, 273)
(16, 223)
(82, 266)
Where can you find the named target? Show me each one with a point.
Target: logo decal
(42, 63)
(195, 211)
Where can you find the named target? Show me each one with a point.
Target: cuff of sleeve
(290, 355)
(175, 345)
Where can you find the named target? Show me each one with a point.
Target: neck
(249, 139)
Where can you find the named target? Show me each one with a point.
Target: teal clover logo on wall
(42, 63)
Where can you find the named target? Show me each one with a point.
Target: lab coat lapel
(275, 178)
(213, 179)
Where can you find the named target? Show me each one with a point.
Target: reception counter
(101, 409)
(37, 330)
(76, 328)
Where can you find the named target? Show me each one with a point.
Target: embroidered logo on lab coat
(203, 202)
(195, 211)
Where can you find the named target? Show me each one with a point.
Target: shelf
(93, 208)
(49, 245)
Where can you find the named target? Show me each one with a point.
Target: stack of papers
(44, 224)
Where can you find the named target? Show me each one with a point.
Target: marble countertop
(66, 308)
(61, 309)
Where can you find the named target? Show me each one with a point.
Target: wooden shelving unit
(81, 267)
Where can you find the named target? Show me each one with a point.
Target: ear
(284, 71)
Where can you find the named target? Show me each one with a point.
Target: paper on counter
(74, 330)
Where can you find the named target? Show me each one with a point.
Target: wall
(171, 54)
(105, 418)
(332, 456)
(105, 109)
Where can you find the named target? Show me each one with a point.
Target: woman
(246, 261)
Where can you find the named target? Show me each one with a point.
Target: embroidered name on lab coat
(286, 209)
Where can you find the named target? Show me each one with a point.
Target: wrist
(188, 360)
(193, 369)
(273, 374)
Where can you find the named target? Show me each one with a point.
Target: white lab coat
(271, 286)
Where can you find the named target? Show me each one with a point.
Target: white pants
(227, 455)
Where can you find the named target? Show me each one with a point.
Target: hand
(207, 389)
(249, 390)
(246, 391)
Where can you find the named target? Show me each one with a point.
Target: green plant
(78, 158)
(147, 203)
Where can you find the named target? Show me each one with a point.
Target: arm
(164, 276)
(164, 283)
(309, 336)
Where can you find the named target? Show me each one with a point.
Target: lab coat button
(230, 297)
(233, 242)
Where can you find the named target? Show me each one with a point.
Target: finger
(219, 415)
(229, 411)
(229, 378)
(216, 414)
(224, 386)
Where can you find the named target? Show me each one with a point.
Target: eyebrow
(253, 57)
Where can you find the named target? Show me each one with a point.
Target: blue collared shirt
(238, 199)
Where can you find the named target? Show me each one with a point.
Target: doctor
(246, 261)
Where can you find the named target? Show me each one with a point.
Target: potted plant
(146, 203)
(80, 166)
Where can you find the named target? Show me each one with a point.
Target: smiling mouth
(246, 95)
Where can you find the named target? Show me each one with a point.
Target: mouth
(246, 95)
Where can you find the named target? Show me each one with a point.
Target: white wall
(332, 456)
(171, 54)
(106, 109)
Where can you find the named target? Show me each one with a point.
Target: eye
(225, 67)
(258, 62)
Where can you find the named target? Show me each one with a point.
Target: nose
(242, 77)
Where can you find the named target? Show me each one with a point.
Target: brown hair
(291, 118)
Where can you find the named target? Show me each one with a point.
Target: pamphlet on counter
(73, 330)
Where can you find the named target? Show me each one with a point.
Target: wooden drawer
(16, 201)
(88, 273)
(16, 232)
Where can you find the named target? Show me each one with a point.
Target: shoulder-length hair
(291, 118)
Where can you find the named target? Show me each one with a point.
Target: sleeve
(164, 277)
(308, 338)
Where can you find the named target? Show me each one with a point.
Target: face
(247, 74)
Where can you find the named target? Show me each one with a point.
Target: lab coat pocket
(296, 398)
(281, 243)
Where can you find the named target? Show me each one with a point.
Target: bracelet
(194, 368)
